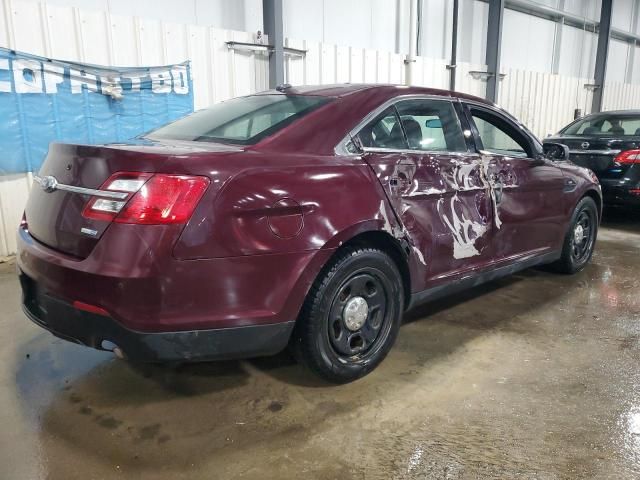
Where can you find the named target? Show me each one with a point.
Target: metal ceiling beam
(571, 19)
(494, 45)
(274, 28)
(602, 54)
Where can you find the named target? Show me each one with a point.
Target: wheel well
(392, 247)
(596, 198)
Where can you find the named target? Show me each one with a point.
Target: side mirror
(433, 123)
(555, 151)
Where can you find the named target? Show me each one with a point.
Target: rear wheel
(351, 316)
(580, 239)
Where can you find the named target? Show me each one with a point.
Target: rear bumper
(105, 333)
(147, 290)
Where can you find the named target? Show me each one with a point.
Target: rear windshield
(611, 125)
(244, 120)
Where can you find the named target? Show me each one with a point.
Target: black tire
(322, 340)
(576, 254)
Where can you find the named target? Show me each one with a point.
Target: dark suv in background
(609, 144)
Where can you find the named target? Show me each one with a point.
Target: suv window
(384, 131)
(431, 125)
(497, 136)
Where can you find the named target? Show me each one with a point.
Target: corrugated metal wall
(621, 96)
(328, 63)
(544, 102)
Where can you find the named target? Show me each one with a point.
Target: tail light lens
(628, 157)
(153, 198)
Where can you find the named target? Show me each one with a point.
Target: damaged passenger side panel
(444, 203)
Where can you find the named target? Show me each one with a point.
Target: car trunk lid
(55, 217)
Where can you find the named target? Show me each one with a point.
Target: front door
(527, 188)
(437, 186)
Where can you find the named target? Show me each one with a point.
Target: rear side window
(422, 124)
(244, 120)
(383, 132)
(431, 125)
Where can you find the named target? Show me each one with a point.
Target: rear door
(527, 188)
(436, 185)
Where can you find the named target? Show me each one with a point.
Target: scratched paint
(382, 212)
(465, 232)
(468, 176)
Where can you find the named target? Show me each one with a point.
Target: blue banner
(42, 100)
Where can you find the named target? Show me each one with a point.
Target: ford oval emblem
(585, 145)
(49, 183)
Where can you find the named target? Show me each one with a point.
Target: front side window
(244, 120)
(607, 124)
(497, 136)
(431, 125)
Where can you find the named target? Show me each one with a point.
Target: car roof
(385, 90)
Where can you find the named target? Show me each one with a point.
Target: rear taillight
(628, 157)
(154, 198)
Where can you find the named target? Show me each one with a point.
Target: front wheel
(580, 239)
(351, 315)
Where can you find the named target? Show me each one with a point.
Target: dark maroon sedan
(311, 217)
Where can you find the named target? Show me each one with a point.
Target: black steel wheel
(580, 239)
(583, 236)
(351, 316)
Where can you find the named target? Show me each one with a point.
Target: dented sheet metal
(445, 204)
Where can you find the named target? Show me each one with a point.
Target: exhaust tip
(112, 347)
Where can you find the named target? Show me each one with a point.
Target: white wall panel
(587, 8)
(622, 15)
(577, 52)
(542, 101)
(472, 40)
(437, 17)
(617, 61)
(527, 42)
(621, 96)
(326, 63)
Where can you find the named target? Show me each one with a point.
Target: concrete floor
(535, 376)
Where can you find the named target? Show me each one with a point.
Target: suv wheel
(351, 316)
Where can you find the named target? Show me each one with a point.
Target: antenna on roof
(283, 87)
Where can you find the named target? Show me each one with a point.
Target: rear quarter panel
(291, 203)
